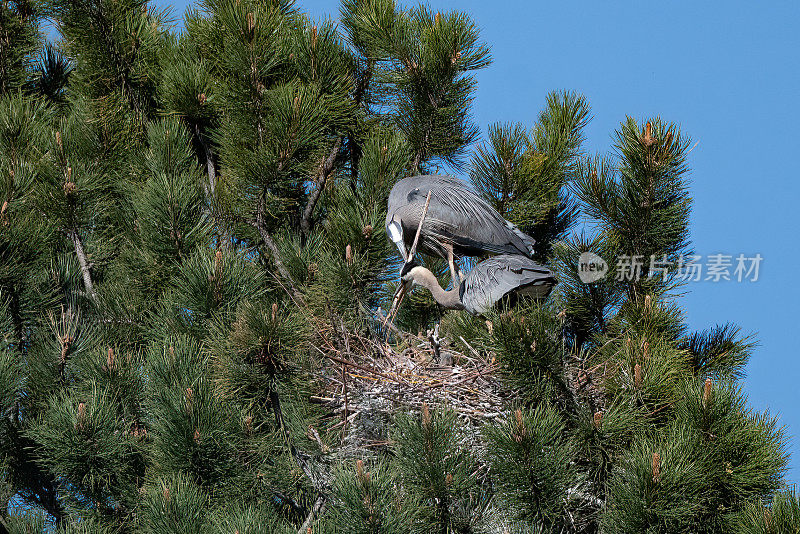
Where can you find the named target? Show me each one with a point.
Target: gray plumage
(456, 217)
(506, 275)
(492, 280)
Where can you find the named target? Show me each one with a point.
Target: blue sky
(730, 78)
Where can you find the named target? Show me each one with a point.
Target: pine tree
(19, 41)
(194, 268)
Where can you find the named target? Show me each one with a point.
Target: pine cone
(707, 392)
(647, 139)
(656, 467)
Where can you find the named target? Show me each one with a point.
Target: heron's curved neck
(447, 299)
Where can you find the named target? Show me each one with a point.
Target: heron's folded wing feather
(494, 278)
(466, 211)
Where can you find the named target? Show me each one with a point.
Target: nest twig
(372, 378)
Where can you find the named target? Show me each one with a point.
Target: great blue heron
(458, 222)
(487, 284)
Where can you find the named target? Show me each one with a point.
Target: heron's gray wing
(496, 277)
(459, 214)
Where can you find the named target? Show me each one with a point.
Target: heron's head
(405, 270)
(406, 282)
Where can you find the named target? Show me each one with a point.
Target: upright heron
(458, 222)
(487, 284)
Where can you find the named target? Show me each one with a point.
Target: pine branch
(211, 168)
(324, 171)
(79, 251)
(359, 99)
(316, 511)
(422, 150)
(38, 486)
(260, 224)
(211, 188)
(122, 68)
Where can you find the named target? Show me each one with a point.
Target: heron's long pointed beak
(402, 248)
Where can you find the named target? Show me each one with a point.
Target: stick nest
(366, 381)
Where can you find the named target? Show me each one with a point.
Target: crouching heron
(487, 284)
(455, 221)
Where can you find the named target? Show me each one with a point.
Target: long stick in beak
(399, 294)
(419, 229)
(403, 289)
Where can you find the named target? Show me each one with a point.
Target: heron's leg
(451, 261)
(461, 276)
